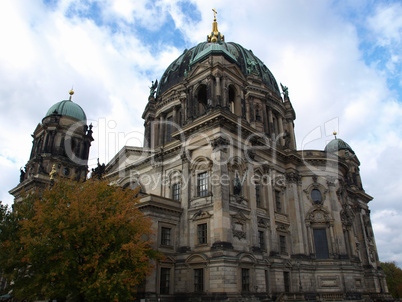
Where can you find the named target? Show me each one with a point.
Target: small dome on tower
(68, 108)
(337, 145)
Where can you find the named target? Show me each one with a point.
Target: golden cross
(215, 12)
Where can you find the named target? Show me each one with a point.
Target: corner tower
(62, 139)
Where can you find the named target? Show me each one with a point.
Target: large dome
(68, 108)
(245, 59)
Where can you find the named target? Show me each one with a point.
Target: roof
(68, 108)
(336, 145)
(235, 53)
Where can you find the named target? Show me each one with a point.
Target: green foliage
(87, 241)
(393, 275)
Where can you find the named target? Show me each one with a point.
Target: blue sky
(340, 59)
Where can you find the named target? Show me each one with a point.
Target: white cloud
(387, 23)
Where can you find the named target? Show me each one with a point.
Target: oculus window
(316, 196)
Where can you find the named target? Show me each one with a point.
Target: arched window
(232, 95)
(234, 101)
(320, 223)
(202, 99)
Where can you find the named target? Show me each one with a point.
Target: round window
(66, 171)
(316, 196)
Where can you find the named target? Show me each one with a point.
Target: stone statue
(287, 139)
(153, 88)
(285, 91)
(53, 172)
(22, 175)
(99, 171)
(236, 185)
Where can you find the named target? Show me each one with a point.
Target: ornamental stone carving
(292, 177)
(347, 215)
(219, 143)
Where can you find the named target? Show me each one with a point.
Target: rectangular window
(165, 281)
(278, 202)
(166, 236)
(286, 281)
(258, 195)
(202, 233)
(261, 243)
(202, 184)
(245, 279)
(169, 128)
(282, 244)
(321, 244)
(199, 280)
(176, 192)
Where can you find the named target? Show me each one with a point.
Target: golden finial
(71, 92)
(215, 35)
(53, 172)
(335, 133)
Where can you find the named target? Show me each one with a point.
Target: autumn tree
(83, 241)
(393, 275)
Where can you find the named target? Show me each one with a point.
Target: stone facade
(239, 212)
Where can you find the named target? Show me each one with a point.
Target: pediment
(127, 156)
(201, 215)
(239, 216)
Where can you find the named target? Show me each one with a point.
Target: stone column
(335, 210)
(174, 115)
(281, 133)
(219, 183)
(250, 110)
(184, 240)
(225, 93)
(210, 100)
(265, 119)
(183, 111)
(334, 246)
(190, 104)
(253, 204)
(161, 133)
(294, 210)
(154, 134)
(271, 123)
(218, 90)
(292, 135)
(271, 212)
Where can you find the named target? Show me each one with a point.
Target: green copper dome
(68, 108)
(336, 145)
(248, 63)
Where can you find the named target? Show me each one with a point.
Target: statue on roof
(99, 171)
(153, 88)
(22, 174)
(285, 91)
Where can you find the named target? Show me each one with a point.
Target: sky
(340, 59)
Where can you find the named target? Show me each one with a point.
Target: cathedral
(239, 213)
